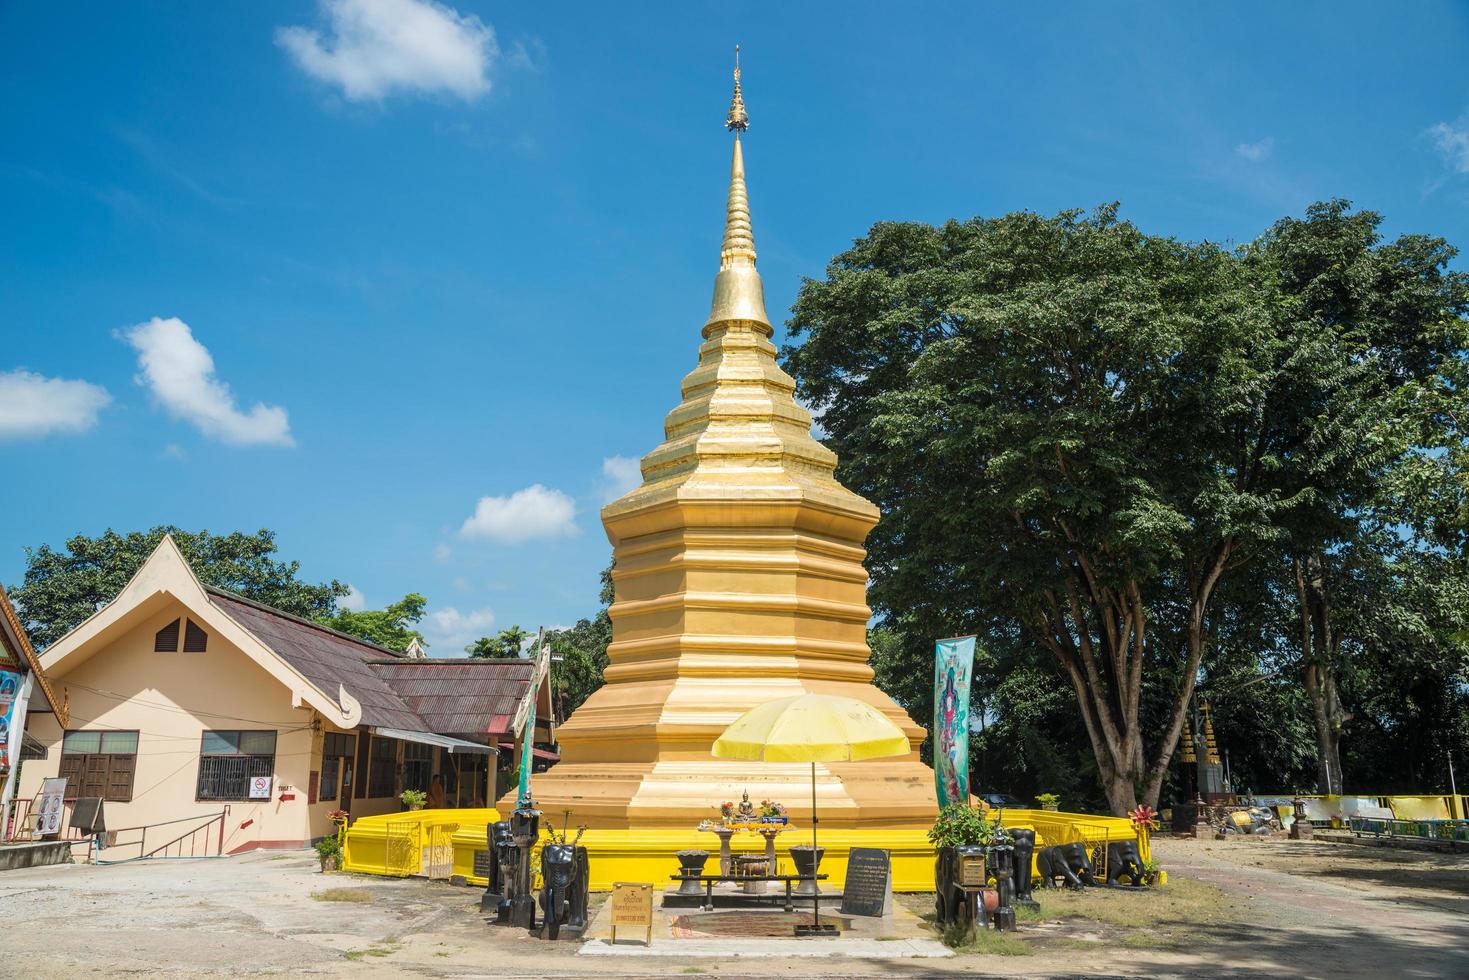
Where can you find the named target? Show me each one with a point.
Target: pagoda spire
(739, 295)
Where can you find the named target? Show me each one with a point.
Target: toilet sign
(259, 787)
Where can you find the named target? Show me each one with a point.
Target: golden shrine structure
(739, 579)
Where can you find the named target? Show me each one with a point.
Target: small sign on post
(632, 908)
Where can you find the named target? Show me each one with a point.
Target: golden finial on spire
(738, 120)
(738, 292)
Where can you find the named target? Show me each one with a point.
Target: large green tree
(1077, 433)
(1373, 338)
(64, 586)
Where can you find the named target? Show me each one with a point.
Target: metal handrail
(161, 851)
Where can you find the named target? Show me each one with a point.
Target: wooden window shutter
(313, 782)
(166, 640)
(195, 639)
(94, 777)
(120, 771)
(71, 771)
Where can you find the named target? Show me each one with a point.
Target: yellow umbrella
(812, 728)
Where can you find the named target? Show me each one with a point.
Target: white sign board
(52, 803)
(260, 787)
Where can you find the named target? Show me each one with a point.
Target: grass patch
(358, 895)
(990, 941)
(358, 954)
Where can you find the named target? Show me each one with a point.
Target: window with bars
(336, 750)
(229, 760)
(97, 763)
(382, 772)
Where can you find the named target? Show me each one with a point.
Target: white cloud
(1452, 141)
(180, 373)
(442, 553)
(620, 475)
(353, 600)
(448, 630)
(374, 47)
(34, 405)
(1255, 152)
(535, 512)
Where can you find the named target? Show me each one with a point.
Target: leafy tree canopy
(1079, 434)
(391, 627)
(506, 644)
(63, 587)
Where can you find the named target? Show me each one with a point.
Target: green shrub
(960, 823)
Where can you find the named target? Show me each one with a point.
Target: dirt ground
(1235, 908)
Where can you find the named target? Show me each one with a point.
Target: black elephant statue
(1068, 862)
(566, 880)
(1024, 852)
(501, 847)
(1124, 862)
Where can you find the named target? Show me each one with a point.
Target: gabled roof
(326, 658)
(16, 650)
(470, 699)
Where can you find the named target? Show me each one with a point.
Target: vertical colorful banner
(952, 668)
(527, 748)
(10, 685)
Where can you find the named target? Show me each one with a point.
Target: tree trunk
(1098, 634)
(1318, 654)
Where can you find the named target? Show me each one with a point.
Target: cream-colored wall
(171, 699)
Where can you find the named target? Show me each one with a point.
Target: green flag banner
(953, 665)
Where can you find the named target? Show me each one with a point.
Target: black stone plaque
(866, 888)
(481, 864)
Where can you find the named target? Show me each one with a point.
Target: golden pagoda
(739, 579)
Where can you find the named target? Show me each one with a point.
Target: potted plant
(773, 812)
(414, 799)
(329, 852)
(726, 810)
(1048, 801)
(962, 836)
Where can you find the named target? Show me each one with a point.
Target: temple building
(183, 702)
(739, 579)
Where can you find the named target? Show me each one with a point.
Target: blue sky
(411, 284)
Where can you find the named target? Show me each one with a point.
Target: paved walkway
(1315, 928)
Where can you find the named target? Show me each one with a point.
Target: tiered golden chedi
(739, 579)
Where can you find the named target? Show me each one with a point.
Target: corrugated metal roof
(463, 698)
(468, 698)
